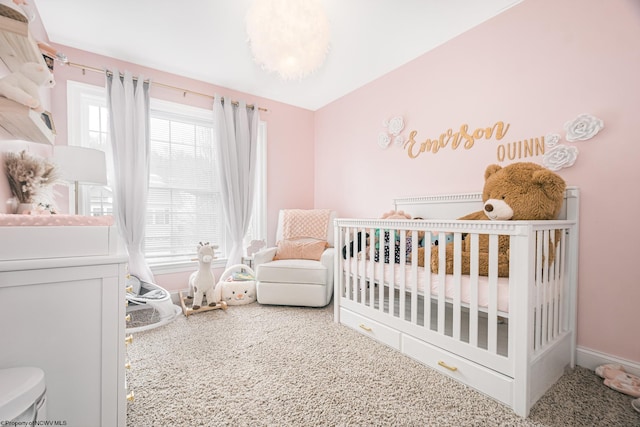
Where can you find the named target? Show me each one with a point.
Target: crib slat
(492, 320)
(414, 277)
(563, 317)
(353, 268)
(555, 328)
(347, 265)
(473, 289)
(442, 272)
(391, 264)
(362, 271)
(427, 279)
(366, 264)
(544, 339)
(545, 288)
(457, 284)
(402, 243)
(538, 296)
(375, 273)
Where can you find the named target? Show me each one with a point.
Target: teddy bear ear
(551, 183)
(491, 169)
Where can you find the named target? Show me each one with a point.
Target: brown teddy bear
(519, 191)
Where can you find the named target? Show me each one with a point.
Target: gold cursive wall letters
(467, 139)
(462, 136)
(519, 149)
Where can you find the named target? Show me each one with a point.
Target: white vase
(25, 208)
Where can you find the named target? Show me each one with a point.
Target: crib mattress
(392, 274)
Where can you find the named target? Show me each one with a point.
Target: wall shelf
(21, 122)
(17, 46)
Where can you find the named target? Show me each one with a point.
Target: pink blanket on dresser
(48, 220)
(301, 223)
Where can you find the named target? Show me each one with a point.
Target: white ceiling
(206, 39)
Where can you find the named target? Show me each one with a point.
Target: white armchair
(297, 282)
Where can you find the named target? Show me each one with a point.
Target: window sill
(183, 266)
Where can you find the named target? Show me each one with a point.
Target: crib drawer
(487, 381)
(371, 328)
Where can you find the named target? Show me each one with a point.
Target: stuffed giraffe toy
(202, 282)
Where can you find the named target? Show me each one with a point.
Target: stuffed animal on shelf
(202, 282)
(23, 85)
(519, 191)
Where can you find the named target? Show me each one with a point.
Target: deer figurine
(202, 282)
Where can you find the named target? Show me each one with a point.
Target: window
(184, 205)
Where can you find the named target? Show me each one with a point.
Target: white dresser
(64, 312)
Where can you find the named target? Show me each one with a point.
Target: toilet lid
(19, 389)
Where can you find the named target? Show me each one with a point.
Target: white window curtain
(128, 103)
(236, 136)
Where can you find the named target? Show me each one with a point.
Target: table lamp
(80, 165)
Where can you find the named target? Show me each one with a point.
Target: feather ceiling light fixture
(290, 37)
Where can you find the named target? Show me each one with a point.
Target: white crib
(511, 337)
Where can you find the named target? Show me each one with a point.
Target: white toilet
(22, 395)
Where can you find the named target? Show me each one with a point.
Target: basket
(237, 285)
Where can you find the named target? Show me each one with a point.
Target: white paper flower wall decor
(582, 128)
(383, 140)
(560, 156)
(394, 126)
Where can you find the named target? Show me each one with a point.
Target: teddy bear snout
(497, 210)
(207, 258)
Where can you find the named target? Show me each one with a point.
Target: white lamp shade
(81, 165)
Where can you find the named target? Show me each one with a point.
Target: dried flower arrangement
(30, 177)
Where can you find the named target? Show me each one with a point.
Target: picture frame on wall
(49, 60)
(48, 120)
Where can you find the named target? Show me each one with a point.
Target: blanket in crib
(305, 223)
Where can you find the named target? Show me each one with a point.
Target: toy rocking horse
(202, 282)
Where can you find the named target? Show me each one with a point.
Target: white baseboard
(591, 359)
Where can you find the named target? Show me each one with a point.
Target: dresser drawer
(371, 328)
(485, 380)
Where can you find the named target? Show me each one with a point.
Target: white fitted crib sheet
(385, 271)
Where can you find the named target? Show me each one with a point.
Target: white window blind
(184, 205)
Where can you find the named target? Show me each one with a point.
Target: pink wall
(535, 67)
